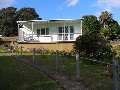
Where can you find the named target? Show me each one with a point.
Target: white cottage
(49, 31)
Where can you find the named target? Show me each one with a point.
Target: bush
(93, 46)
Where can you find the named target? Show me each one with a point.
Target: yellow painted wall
(66, 46)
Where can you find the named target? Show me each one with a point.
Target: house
(50, 34)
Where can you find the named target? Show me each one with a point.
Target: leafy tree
(105, 18)
(27, 14)
(9, 16)
(109, 27)
(112, 31)
(8, 25)
(94, 46)
(90, 25)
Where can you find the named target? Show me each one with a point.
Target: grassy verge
(17, 76)
(94, 77)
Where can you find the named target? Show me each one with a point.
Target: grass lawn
(94, 77)
(14, 75)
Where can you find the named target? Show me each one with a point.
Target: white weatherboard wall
(26, 31)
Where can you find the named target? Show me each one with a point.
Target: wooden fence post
(33, 54)
(12, 49)
(57, 63)
(77, 67)
(115, 75)
(21, 51)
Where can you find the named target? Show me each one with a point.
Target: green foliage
(27, 14)
(114, 30)
(94, 46)
(9, 16)
(90, 25)
(105, 18)
(109, 27)
(8, 25)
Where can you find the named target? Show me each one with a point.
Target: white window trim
(45, 32)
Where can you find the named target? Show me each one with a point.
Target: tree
(8, 25)
(90, 25)
(109, 27)
(114, 30)
(9, 17)
(27, 14)
(105, 18)
(94, 46)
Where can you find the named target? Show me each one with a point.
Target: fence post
(77, 67)
(33, 54)
(21, 51)
(115, 75)
(57, 64)
(12, 49)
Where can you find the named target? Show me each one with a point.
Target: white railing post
(77, 67)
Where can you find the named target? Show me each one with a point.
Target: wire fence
(70, 65)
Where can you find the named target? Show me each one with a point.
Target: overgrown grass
(17, 76)
(94, 77)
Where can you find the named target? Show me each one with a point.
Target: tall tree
(109, 27)
(9, 16)
(27, 14)
(90, 24)
(8, 25)
(105, 18)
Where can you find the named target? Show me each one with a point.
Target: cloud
(6, 3)
(108, 4)
(67, 3)
(71, 2)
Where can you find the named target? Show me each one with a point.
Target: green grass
(94, 77)
(14, 75)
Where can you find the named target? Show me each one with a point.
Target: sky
(66, 9)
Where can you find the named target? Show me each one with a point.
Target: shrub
(93, 46)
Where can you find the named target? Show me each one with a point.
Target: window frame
(43, 33)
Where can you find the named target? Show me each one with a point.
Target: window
(65, 36)
(66, 29)
(71, 32)
(38, 32)
(44, 31)
(71, 36)
(60, 30)
(47, 31)
(71, 29)
(66, 33)
(59, 36)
